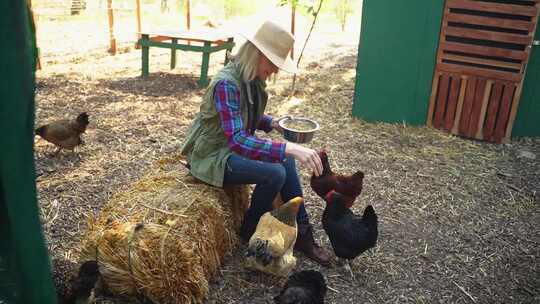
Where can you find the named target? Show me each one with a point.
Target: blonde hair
(247, 58)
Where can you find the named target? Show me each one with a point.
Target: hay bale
(166, 236)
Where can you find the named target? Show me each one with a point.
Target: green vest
(205, 145)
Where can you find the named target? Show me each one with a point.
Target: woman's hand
(275, 123)
(308, 157)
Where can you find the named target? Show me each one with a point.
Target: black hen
(86, 281)
(304, 287)
(350, 235)
(81, 286)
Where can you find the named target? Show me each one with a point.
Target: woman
(221, 146)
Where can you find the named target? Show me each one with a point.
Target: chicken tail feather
(358, 175)
(259, 250)
(40, 131)
(83, 119)
(369, 214)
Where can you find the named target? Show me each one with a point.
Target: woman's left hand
(275, 123)
(308, 157)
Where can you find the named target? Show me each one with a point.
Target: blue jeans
(270, 179)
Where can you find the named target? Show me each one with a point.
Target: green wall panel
(396, 59)
(527, 119)
(25, 276)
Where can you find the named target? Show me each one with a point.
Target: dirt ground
(458, 219)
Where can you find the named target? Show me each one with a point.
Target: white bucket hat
(275, 43)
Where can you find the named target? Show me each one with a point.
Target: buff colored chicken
(270, 249)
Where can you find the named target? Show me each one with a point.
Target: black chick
(350, 235)
(304, 287)
(81, 286)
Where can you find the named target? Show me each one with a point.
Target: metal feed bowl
(297, 136)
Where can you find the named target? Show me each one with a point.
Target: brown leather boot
(305, 243)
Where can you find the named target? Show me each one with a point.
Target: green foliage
(231, 8)
(307, 6)
(343, 9)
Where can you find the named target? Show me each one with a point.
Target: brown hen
(65, 134)
(350, 186)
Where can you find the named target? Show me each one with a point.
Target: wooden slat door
(481, 61)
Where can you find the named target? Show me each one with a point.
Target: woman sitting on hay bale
(221, 145)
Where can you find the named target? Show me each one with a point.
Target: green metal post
(173, 53)
(9, 291)
(230, 42)
(145, 54)
(526, 123)
(203, 80)
(23, 244)
(396, 59)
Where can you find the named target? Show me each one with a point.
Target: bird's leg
(348, 266)
(73, 152)
(57, 151)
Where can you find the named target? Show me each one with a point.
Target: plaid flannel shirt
(240, 141)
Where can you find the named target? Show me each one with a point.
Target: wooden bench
(206, 41)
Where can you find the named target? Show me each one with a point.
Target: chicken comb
(328, 196)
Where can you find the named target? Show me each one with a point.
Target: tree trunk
(305, 43)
